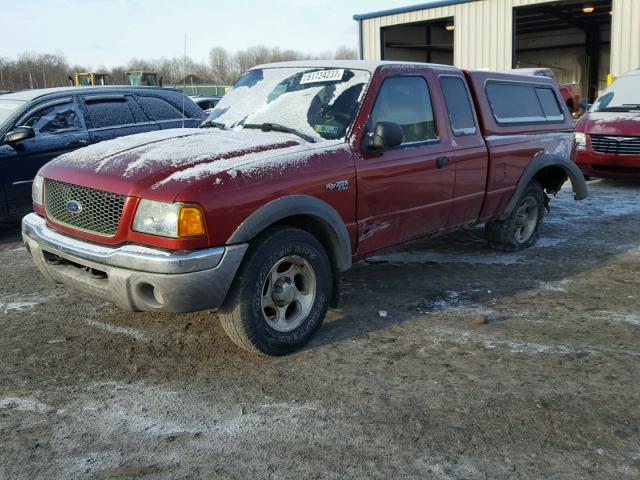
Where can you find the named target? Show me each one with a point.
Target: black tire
(243, 314)
(509, 235)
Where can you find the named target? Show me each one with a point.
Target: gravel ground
(446, 361)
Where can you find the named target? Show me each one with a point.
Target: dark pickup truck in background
(38, 125)
(305, 167)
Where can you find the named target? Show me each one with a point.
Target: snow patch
(23, 405)
(419, 257)
(16, 303)
(557, 286)
(261, 101)
(129, 332)
(103, 150)
(18, 306)
(254, 164)
(547, 242)
(630, 318)
(489, 341)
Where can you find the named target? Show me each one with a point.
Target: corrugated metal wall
(484, 32)
(625, 36)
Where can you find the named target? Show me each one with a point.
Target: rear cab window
(458, 102)
(520, 103)
(407, 102)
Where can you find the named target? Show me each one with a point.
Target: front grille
(82, 208)
(616, 145)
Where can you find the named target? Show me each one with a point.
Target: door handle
(78, 143)
(442, 162)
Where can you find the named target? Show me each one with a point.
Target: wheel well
(551, 178)
(319, 229)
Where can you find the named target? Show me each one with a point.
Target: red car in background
(571, 92)
(608, 135)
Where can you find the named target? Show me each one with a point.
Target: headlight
(581, 139)
(175, 220)
(37, 189)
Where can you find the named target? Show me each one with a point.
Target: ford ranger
(302, 169)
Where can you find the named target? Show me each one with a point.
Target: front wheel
(521, 228)
(281, 294)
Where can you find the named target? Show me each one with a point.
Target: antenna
(184, 74)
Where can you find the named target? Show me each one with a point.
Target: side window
(406, 101)
(549, 104)
(458, 105)
(109, 113)
(55, 119)
(160, 109)
(520, 103)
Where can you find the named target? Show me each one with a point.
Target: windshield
(622, 96)
(321, 103)
(8, 108)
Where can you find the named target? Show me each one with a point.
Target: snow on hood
(174, 149)
(101, 151)
(187, 155)
(610, 123)
(253, 164)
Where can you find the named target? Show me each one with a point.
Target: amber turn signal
(190, 222)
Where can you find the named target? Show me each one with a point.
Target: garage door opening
(430, 42)
(572, 38)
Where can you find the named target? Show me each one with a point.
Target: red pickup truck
(300, 170)
(608, 135)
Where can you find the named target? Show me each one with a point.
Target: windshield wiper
(620, 108)
(276, 127)
(211, 123)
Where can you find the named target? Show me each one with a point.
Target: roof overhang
(411, 8)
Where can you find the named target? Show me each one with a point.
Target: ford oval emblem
(74, 207)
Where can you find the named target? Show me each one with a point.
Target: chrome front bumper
(131, 276)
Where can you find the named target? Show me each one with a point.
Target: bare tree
(223, 67)
(35, 70)
(345, 53)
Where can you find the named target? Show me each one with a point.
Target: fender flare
(296, 205)
(539, 162)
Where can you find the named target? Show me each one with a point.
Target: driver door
(59, 127)
(405, 192)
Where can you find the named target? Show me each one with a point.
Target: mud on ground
(486, 366)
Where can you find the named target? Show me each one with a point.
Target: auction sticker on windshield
(322, 76)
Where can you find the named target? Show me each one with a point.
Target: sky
(109, 32)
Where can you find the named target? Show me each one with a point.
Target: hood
(156, 160)
(610, 123)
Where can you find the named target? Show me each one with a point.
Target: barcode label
(322, 76)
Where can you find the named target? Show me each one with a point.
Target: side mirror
(584, 104)
(19, 134)
(385, 135)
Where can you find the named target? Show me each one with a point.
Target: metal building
(581, 41)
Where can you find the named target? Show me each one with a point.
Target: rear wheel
(281, 294)
(521, 228)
